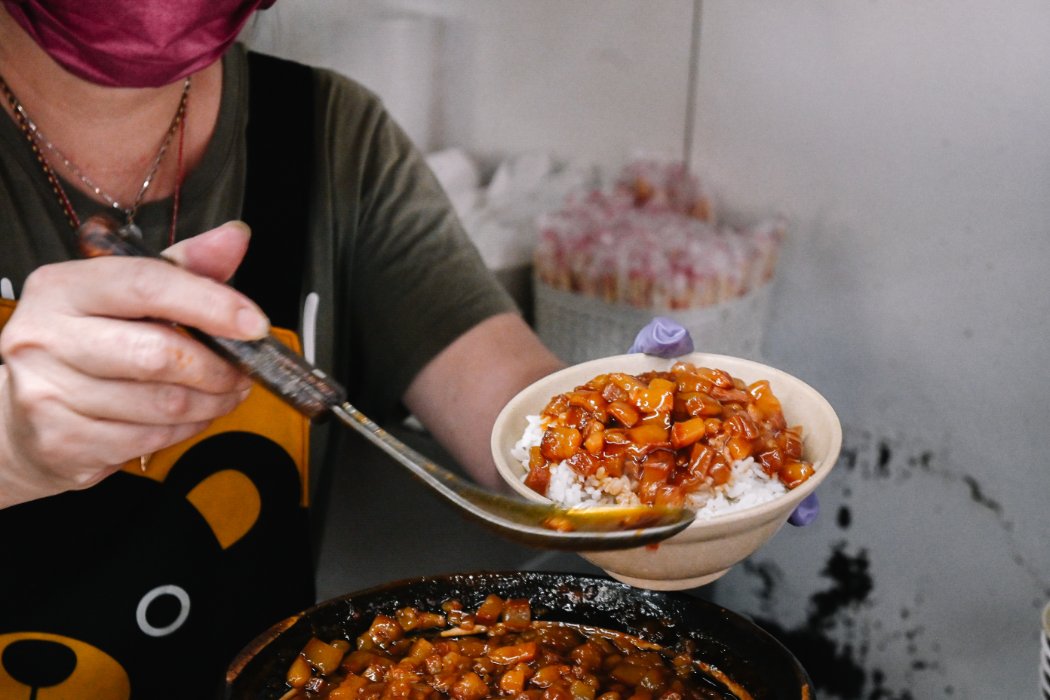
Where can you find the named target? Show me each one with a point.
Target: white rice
(748, 484)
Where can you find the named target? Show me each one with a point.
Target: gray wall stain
(876, 457)
(834, 641)
(840, 630)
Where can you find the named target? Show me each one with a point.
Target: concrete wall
(908, 143)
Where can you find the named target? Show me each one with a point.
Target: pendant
(130, 230)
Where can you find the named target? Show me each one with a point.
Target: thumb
(215, 253)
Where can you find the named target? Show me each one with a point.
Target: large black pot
(742, 650)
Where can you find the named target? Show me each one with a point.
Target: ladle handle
(267, 360)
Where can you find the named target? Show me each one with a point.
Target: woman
(153, 502)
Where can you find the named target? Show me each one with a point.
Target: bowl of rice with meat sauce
(739, 442)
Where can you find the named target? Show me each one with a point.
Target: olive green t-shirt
(146, 584)
(396, 276)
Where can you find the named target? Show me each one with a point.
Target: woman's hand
(87, 383)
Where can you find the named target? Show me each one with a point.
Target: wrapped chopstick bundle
(651, 241)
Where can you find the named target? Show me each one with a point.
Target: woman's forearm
(460, 392)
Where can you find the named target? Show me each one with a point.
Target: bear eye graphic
(163, 610)
(38, 663)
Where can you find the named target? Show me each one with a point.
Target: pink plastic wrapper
(651, 241)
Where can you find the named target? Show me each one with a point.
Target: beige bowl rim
(532, 399)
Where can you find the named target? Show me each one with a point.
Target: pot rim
(668, 602)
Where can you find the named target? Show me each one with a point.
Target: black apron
(145, 586)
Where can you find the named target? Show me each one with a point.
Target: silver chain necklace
(129, 212)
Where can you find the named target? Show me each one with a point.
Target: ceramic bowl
(706, 549)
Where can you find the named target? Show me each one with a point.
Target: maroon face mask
(133, 43)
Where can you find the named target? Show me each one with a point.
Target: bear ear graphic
(235, 480)
(213, 497)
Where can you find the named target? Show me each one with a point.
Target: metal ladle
(313, 393)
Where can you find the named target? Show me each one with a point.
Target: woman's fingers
(141, 351)
(68, 451)
(95, 371)
(126, 401)
(139, 288)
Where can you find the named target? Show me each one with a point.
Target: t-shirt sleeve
(416, 281)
